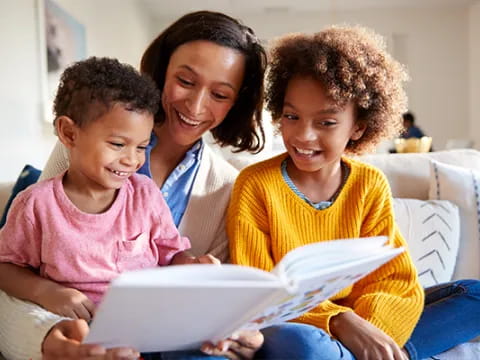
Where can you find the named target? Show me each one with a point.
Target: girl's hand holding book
(240, 346)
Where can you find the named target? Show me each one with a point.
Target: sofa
(437, 207)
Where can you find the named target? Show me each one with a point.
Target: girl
(335, 93)
(209, 69)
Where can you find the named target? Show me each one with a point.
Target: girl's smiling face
(201, 86)
(315, 130)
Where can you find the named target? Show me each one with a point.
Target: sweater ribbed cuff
(23, 327)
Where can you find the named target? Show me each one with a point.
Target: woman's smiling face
(202, 83)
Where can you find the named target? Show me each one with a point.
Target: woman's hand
(364, 340)
(241, 346)
(68, 302)
(64, 342)
(183, 257)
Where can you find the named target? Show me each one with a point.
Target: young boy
(82, 228)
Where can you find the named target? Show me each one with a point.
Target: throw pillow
(461, 186)
(432, 231)
(28, 176)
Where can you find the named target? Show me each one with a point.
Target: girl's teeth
(305, 152)
(188, 121)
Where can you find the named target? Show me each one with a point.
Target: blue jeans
(451, 317)
(299, 341)
(180, 355)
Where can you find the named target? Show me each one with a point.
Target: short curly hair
(90, 87)
(353, 65)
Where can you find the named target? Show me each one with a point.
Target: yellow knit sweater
(266, 220)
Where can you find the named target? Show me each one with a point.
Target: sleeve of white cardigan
(56, 163)
(23, 326)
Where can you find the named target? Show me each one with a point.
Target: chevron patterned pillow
(461, 186)
(432, 231)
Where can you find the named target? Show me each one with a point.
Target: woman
(209, 69)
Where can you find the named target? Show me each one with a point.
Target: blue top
(177, 188)
(413, 132)
(319, 206)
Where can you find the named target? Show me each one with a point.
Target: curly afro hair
(353, 65)
(91, 87)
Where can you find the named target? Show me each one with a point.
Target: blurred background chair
(459, 144)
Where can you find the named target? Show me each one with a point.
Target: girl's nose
(305, 133)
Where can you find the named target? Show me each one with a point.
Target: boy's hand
(67, 302)
(241, 346)
(183, 258)
(64, 342)
(207, 259)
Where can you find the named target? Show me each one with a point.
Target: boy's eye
(141, 148)
(118, 145)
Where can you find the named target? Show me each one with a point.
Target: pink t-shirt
(44, 230)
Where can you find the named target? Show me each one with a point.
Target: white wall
(441, 55)
(20, 102)
(432, 42)
(474, 46)
(113, 28)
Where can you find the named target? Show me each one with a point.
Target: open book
(180, 307)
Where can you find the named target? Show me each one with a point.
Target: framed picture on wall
(62, 42)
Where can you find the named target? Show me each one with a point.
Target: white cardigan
(23, 325)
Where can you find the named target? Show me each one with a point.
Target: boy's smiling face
(315, 130)
(106, 151)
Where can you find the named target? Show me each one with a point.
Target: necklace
(322, 204)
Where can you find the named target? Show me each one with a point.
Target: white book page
(306, 292)
(325, 254)
(179, 307)
(318, 271)
(194, 275)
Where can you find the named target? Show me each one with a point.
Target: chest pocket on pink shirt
(137, 253)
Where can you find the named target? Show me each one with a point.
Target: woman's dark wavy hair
(242, 127)
(90, 87)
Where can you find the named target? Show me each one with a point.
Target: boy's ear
(360, 128)
(66, 130)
